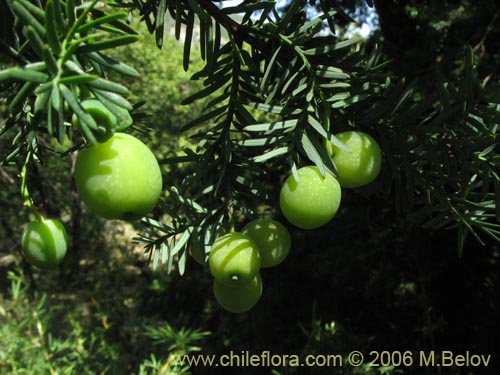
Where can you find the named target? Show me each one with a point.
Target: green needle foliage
(59, 57)
(280, 86)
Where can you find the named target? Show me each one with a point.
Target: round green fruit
(119, 178)
(360, 166)
(241, 298)
(44, 243)
(106, 121)
(312, 201)
(234, 259)
(272, 239)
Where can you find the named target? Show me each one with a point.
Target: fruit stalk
(27, 201)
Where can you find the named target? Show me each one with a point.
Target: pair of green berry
(312, 200)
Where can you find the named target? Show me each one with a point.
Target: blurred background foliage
(372, 279)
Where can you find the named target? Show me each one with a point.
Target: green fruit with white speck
(234, 259)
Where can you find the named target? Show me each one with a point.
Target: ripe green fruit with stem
(362, 164)
(118, 179)
(234, 259)
(312, 201)
(272, 239)
(44, 243)
(241, 298)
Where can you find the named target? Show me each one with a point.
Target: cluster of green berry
(236, 258)
(119, 178)
(311, 201)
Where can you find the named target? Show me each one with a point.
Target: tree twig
(489, 28)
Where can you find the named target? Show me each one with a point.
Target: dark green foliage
(60, 58)
(313, 84)
(427, 36)
(441, 150)
(276, 86)
(383, 275)
(288, 69)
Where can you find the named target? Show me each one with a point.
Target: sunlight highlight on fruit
(44, 243)
(118, 179)
(272, 239)
(312, 201)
